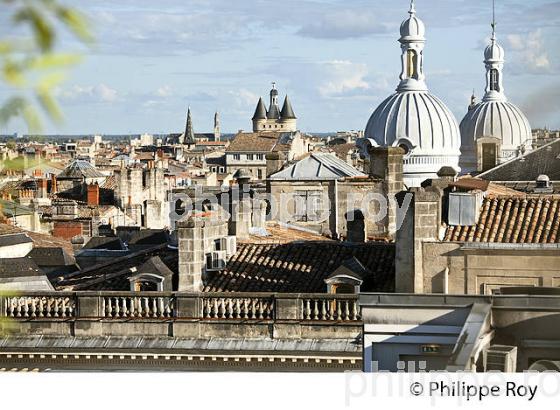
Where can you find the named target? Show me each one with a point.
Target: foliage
(30, 63)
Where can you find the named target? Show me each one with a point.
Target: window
(236, 157)
(222, 170)
(308, 206)
(259, 174)
(494, 80)
(411, 64)
(260, 157)
(250, 157)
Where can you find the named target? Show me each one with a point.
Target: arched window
(494, 80)
(411, 64)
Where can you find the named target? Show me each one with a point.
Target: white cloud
(164, 91)
(343, 78)
(88, 93)
(244, 98)
(531, 53)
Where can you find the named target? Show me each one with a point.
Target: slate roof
(80, 169)
(51, 257)
(149, 237)
(512, 220)
(318, 166)
(529, 186)
(19, 267)
(287, 112)
(542, 161)
(104, 242)
(114, 274)
(14, 239)
(302, 267)
(260, 111)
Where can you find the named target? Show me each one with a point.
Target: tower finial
(412, 8)
(274, 85)
(493, 20)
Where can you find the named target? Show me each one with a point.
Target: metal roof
(318, 166)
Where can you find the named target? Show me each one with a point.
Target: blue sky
(337, 59)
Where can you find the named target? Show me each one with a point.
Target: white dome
(412, 29)
(415, 119)
(498, 119)
(494, 52)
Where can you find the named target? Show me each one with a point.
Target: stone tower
(274, 119)
(217, 133)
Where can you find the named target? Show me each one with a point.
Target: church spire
(188, 138)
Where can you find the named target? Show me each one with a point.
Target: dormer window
(347, 278)
(146, 282)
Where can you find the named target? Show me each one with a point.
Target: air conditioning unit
(230, 246)
(500, 358)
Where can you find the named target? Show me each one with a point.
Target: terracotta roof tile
(512, 220)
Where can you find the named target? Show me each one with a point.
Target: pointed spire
(189, 133)
(412, 8)
(287, 112)
(260, 111)
(493, 20)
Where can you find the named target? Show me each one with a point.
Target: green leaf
(51, 60)
(42, 29)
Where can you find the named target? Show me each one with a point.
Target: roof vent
(543, 185)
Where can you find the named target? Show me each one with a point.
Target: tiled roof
(80, 169)
(318, 166)
(302, 267)
(254, 142)
(512, 220)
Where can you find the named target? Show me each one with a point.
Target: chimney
(93, 194)
(191, 255)
(421, 220)
(37, 173)
(54, 184)
(386, 164)
(274, 162)
(42, 188)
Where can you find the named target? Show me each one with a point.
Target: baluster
(109, 307)
(125, 308)
(161, 307)
(354, 310)
(324, 309)
(307, 309)
(41, 308)
(237, 309)
(117, 307)
(25, 307)
(63, 307)
(214, 308)
(338, 309)
(136, 307)
(245, 308)
(146, 307)
(155, 312)
(315, 309)
(346, 310)
(229, 304)
(71, 306)
(33, 307)
(254, 308)
(103, 307)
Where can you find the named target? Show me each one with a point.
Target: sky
(336, 59)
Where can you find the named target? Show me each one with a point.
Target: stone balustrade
(179, 314)
(171, 306)
(39, 306)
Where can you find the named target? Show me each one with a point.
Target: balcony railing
(138, 306)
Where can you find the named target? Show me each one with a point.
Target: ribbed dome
(499, 119)
(494, 52)
(412, 28)
(417, 120)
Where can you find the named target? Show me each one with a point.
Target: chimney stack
(42, 188)
(93, 194)
(54, 185)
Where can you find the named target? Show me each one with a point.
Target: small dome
(412, 28)
(417, 121)
(494, 52)
(499, 119)
(543, 178)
